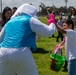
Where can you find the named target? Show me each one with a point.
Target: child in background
(60, 35)
(51, 17)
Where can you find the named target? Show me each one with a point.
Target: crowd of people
(18, 38)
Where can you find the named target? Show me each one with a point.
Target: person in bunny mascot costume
(18, 37)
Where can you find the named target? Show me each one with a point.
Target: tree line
(43, 9)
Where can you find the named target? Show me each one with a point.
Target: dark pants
(60, 35)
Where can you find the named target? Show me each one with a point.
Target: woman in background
(72, 16)
(6, 14)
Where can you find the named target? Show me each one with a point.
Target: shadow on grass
(41, 50)
(65, 70)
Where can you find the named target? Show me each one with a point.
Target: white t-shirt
(70, 44)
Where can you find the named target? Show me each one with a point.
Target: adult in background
(63, 15)
(60, 35)
(14, 10)
(6, 15)
(72, 15)
(18, 37)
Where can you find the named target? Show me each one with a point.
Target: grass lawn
(46, 47)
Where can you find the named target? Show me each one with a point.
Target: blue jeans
(72, 67)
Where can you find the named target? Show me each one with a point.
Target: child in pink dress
(51, 17)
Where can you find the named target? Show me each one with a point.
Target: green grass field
(46, 47)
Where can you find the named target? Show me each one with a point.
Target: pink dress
(51, 18)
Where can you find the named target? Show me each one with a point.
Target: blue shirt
(18, 33)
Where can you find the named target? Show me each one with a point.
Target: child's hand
(61, 47)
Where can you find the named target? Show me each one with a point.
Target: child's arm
(60, 29)
(62, 47)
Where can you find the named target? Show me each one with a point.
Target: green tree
(42, 9)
